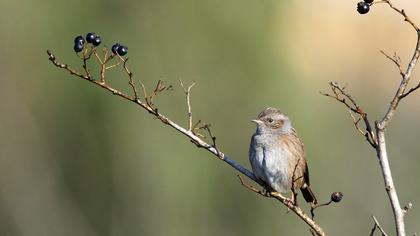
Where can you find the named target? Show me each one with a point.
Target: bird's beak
(257, 121)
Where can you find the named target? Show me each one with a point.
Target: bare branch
(52, 58)
(294, 208)
(379, 143)
(189, 133)
(340, 94)
(197, 140)
(400, 93)
(384, 122)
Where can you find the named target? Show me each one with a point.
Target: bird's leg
(292, 201)
(294, 193)
(294, 197)
(267, 189)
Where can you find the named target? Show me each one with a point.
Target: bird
(277, 156)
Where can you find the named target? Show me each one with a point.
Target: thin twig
(340, 94)
(318, 206)
(86, 56)
(97, 56)
(396, 60)
(252, 188)
(160, 87)
(410, 91)
(206, 127)
(195, 128)
(52, 58)
(130, 79)
(376, 225)
(400, 93)
(356, 123)
(401, 12)
(187, 92)
(144, 91)
(112, 66)
(103, 67)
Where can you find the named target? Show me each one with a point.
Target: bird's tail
(308, 194)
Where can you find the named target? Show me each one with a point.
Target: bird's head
(272, 120)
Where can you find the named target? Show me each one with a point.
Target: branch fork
(378, 142)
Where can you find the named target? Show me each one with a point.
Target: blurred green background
(75, 160)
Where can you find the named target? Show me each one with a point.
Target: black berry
(336, 196)
(79, 39)
(368, 1)
(78, 47)
(90, 37)
(363, 7)
(122, 50)
(115, 47)
(96, 41)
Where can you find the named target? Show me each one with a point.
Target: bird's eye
(270, 120)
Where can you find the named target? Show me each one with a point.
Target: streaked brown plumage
(277, 155)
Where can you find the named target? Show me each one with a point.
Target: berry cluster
(119, 49)
(95, 40)
(364, 6)
(79, 41)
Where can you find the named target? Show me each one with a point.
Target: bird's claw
(289, 202)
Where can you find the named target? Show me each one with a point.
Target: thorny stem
(189, 133)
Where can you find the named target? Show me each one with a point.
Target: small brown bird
(277, 155)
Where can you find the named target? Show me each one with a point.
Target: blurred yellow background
(75, 160)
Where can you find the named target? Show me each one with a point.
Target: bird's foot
(266, 190)
(290, 202)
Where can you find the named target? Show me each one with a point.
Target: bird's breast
(270, 161)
